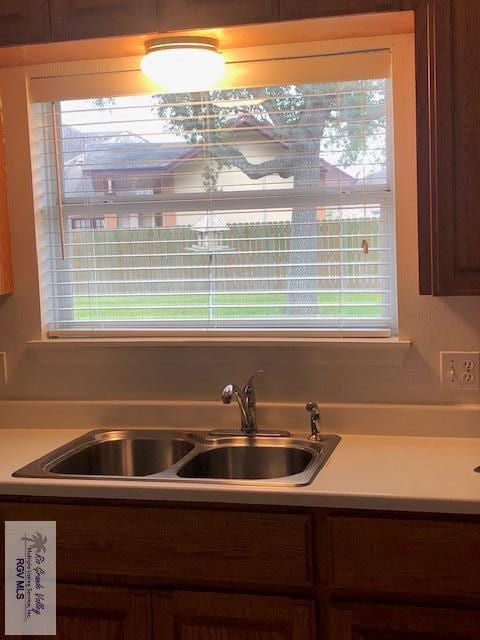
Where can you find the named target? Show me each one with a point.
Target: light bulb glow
(184, 65)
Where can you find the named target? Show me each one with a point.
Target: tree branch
(281, 165)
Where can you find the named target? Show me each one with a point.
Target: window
(254, 207)
(87, 223)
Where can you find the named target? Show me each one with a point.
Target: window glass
(265, 207)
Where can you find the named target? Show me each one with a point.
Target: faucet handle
(312, 406)
(227, 393)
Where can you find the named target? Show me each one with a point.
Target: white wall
(291, 373)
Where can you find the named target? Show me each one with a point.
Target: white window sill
(369, 351)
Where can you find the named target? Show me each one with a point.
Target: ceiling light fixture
(183, 63)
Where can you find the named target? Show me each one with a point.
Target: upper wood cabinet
(77, 19)
(295, 9)
(23, 21)
(379, 622)
(188, 14)
(448, 95)
(210, 616)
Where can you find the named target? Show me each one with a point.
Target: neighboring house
(125, 166)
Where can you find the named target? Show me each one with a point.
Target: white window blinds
(248, 208)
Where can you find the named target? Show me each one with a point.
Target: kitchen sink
(124, 456)
(181, 456)
(248, 462)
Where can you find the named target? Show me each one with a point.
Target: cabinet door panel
(87, 613)
(448, 94)
(76, 19)
(390, 555)
(185, 14)
(293, 9)
(212, 616)
(24, 21)
(99, 613)
(378, 622)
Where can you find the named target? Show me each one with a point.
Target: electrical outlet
(460, 370)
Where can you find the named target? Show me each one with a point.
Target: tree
(307, 119)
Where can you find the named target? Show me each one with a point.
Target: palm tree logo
(38, 542)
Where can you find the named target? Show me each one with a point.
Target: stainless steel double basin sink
(180, 456)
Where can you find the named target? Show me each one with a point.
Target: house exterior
(125, 165)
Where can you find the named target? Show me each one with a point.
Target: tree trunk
(303, 246)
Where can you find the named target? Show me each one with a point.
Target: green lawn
(137, 307)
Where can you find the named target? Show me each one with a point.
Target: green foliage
(346, 117)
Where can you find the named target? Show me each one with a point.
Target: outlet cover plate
(460, 370)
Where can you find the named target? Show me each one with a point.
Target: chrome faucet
(246, 403)
(312, 408)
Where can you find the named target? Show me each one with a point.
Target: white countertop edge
(241, 496)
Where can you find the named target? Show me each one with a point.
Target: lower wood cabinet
(379, 622)
(183, 615)
(211, 572)
(103, 613)
(402, 556)
(110, 613)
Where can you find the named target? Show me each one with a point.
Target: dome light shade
(183, 64)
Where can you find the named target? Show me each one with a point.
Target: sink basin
(181, 456)
(248, 462)
(124, 457)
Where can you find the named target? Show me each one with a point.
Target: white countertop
(401, 473)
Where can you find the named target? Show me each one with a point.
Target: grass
(138, 307)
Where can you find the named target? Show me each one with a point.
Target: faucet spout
(247, 404)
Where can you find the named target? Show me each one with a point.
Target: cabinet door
(448, 93)
(102, 613)
(378, 622)
(210, 616)
(186, 14)
(293, 9)
(76, 19)
(24, 21)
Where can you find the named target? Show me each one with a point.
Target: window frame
(394, 43)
